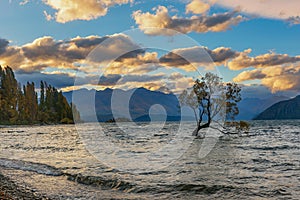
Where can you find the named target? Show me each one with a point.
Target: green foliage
(242, 126)
(233, 96)
(20, 106)
(66, 121)
(8, 95)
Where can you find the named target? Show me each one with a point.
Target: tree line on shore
(22, 104)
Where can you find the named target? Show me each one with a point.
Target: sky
(160, 45)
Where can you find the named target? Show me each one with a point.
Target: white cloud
(277, 9)
(22, 3)
(47, 16)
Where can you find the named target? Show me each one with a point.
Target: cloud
(47, 52)
(116, 80)
(249, 75)
(137, 64)
(46, 58)
(126, 65)
(275, 9)
(24, 2)
(3, 44)
(283, 83)
(222, 54)
(90, 41)
(163, 82)
(113, 48)
(161, 21)
(197, 7)
(141, 78)
(190, 58)
(294, 20)
(11, 56)
(116, 54)
(70, 10)
(60, 72)
(47, 16)
(265, 60)
(276, 78)
(57, 80)
(124, 62)
(159, 82)
(110, 79)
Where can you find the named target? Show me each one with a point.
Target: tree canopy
(21, 105)
(212, 100)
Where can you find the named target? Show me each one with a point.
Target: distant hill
(252, 107)
(142, 100)
(139, 105)
(288, 109)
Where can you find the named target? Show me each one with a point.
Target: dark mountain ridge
(252, 107)
(288, 109)
(141, 101)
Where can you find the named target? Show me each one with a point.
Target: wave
(115, 184)
(268, 148)
(52, 171)
(201, 189)
(30, 166)
(132, 187)
(110, 183)
(48, 148)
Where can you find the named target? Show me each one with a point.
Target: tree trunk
(196, 117)
(206, 125)
(199, 127)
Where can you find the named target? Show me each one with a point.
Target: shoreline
(9, 190)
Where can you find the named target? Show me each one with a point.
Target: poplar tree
(20, 105)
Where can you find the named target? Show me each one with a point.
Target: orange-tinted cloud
(139, 64)
(68, 54)
(266, 60)
(174, 82)
(118, 54)
(197, 7)
(200, 24)
(276, 78)
(70, 10)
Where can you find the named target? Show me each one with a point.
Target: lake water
(62, 162)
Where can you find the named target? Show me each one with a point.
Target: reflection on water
(266, 164)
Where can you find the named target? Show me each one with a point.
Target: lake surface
(62, 162)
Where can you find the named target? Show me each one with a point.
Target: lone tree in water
(211, 100)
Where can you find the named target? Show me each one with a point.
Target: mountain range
(132, 104)
(288, 109)
(252, 107)
(142, 100)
